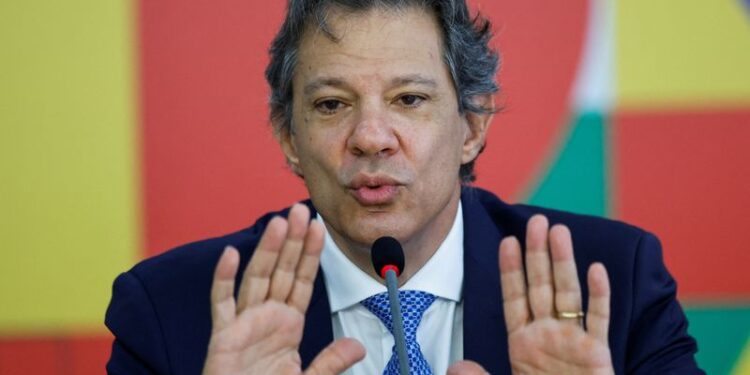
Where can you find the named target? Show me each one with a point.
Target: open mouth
(375, 195)
(374, 190)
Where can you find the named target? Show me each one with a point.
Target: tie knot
(413, 305)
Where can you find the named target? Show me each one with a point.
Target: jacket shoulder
(512, 218)
(202, 255)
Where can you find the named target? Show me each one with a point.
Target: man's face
(377, 134)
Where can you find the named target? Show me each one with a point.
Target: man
(382, 108)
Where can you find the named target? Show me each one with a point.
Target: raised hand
(260, 332)
(542, 305)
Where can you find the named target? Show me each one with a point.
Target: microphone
(388, 260)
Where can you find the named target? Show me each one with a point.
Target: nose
(373, 134)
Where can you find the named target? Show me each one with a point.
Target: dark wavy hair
(466, 52)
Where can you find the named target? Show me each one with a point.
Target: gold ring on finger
(570, 315)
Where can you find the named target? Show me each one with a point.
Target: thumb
(466, 368)
(337, 357)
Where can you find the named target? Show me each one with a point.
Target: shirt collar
(347, 285)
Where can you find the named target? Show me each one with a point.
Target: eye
(329, 106)
(411, 100)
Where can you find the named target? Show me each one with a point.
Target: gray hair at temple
(470, 60)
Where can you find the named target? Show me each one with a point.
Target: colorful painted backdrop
(128, 127)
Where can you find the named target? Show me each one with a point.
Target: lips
(374, 191)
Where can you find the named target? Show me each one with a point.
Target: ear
(285, 137)
(477, 126)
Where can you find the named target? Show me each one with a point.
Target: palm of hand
(548, 346)
(265, 339)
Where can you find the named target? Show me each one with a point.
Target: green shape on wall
(577, 179)
(721, 333)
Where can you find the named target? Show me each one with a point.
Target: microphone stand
(398, 323)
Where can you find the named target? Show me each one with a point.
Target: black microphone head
(387, 251)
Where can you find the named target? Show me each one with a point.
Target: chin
(365, 232)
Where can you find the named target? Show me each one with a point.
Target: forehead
(377, 43)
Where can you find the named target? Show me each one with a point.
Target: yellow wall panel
(690, 53)
(68, 161)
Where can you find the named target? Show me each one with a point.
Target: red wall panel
(89, 354)
(209, 163)
(685, 176)
(26, 356)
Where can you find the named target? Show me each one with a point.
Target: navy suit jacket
(161, 319)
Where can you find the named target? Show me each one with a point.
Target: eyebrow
(319, 83)
(409, 79)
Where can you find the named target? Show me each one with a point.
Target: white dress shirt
(440, 334)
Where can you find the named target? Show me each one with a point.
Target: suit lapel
(485, 338)
(318, 331)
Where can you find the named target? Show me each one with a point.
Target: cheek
(318, 152)
(443, 143)
(437, 159)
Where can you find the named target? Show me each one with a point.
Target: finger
(222, 290)
(538, 269)
(597, 318)
(337, 357)
(283, 276)
(466, 368)
(257, 277)
(515, 304)
(307, 268)
(567, 286)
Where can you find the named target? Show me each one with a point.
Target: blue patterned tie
(413, 305)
